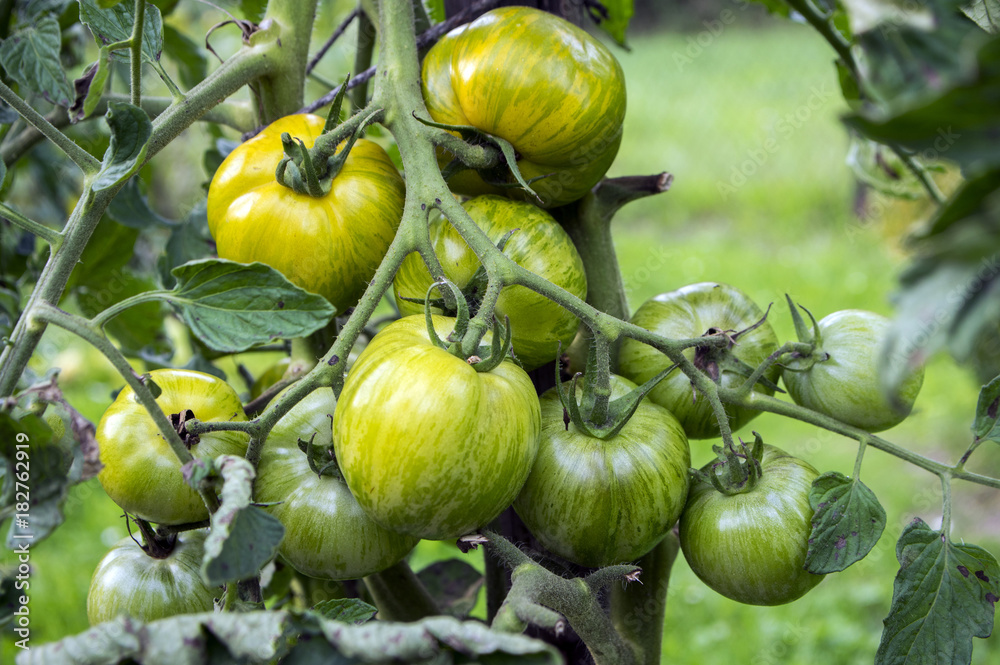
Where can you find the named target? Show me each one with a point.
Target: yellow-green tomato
(840, 377)
(129, 581)
(690, 312)
(429, 446)
(141, 472)
(751, 547)
(556, 93)
(330, 245)
(538, 244)
(327, 534)
(599, 502)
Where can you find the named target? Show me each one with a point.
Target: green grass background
(699, 106)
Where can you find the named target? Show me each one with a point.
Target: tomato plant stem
(135, 47)
(637, 610)
(363, 57)
(281, 89)
(399, 595)
(51, 236)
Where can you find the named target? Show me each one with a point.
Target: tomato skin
(751, 547)
(429, 446)
(561, 106)
(129, 581)
(601, 502)
(327, 534)
(141, 473)
(689, 312)
(330, 245)
(846, 384)
(540, 245)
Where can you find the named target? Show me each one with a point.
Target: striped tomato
(556, 93)
(539, 244)
(329, 245)
(429, 446)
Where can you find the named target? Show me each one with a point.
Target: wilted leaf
(847, 522)
(89, 88)
(944, 595)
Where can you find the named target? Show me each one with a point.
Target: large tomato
(840, 377)
(327, 534)
(690, 312)
(751, 547)
(429, 446)
(129, 581)
(141, 473)
(538, 244)
(556, 93)
(599, 502)
(330, 245)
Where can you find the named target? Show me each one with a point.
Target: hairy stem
(637, 610)
(135, 47)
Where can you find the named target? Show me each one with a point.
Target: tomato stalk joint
(486, 357)
(737, 469)
(714, 359)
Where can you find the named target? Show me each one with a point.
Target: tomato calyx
(737, 469)
(322, 460)
(808, 352)
(156, 544)
(179, 421)
(486, 357)
(714, 359)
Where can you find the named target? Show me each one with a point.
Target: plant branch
(399, 594)
(49, 235)
(83, 159)
(637, 610)
(135, 46)
(363, 53)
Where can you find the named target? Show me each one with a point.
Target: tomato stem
(135, 47)
(399, 594)
(637, 610)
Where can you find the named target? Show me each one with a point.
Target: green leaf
(615, 22)
(103, 262)
(973, 204)
(232, 306)
(243, 537)
(31, 57)
(944, 595)
(775, 7)
(90, 87)
(847, 522)
(959, 123)
(987, 411)
(192, 66)
(131, 208)
(348, 610)
(435, 10)
(115, 25)
(986, 14)
(139, 329)
(34, 8)
(881, 168)
(253, 10)
(453, 584)
(188, 241)
(130, 132)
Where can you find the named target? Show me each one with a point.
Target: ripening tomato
(329, 245)
(327, 534)
(429, 446)
(538, 81)
(129, 581)
(141, 472)
(690, 312)
(538, 244)
(599, 502)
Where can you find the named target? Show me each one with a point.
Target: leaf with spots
(348, 610)
(944, 595)
(233, 306)
(985, 426)
(243, 537)
(847, 522)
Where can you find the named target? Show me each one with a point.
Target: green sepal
(799, 361)
(499, 348)
(333, 117)
(461, 315)
(713, 360)
(803, 333)
(737, 470)
(321, 459)
(336, 161)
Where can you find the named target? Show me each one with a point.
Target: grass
(763, 100)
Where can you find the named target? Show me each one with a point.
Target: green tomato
(840, 377)
(327, 534)
(141, 472)
(751, 547)
(601, 502)
(690, 312)
(330, 245)
(429, 446)
(129, 581)
(538, 244)
(556, 93)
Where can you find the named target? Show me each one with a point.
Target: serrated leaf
(986, 14)
(243, 537)
(233, 306)
(847, 522)
(31, 57)
(130, 132)
(944, 595)
(348, 610)
(115, 25)
(453, 584)
(987, 411)
(192, 66)
(131, 208)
